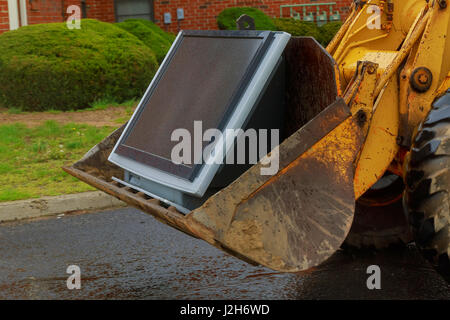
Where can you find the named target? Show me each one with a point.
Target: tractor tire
(380, 221)
(427, 192)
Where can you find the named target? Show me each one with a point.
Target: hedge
(49, 66)
(328, 31)
(297, 28)
(323, 34)
(227, 18)
(153, 36)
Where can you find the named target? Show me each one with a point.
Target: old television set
(221, 79)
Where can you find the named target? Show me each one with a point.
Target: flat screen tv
(212, 77)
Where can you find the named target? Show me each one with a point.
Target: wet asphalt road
(125, 254)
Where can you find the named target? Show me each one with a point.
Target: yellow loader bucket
(298, 218)
(293, 220)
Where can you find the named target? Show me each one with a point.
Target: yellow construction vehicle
(367, 127)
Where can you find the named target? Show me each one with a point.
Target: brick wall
(202, 14)
(4, 20)
(44, 11)
(199, 14)
(100, 9)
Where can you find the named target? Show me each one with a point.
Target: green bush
(227, 18)
(298, 28)
(153, 36)
(49, 66)
(328, 31)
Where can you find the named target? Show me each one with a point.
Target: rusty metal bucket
(293, 220)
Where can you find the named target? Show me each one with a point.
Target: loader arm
(412, 36)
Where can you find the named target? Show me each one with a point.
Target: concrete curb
(48, 206)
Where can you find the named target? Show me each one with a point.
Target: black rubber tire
(379, 221)
(427, 192)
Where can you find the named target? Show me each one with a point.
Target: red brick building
(197, 14)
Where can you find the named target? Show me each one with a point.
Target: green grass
(129, 112)
(31, 158)
(105, 103)
(14, 111)
(54, 111)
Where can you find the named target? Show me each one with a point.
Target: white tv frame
(201, 182)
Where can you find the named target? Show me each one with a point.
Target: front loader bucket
(290, 221)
